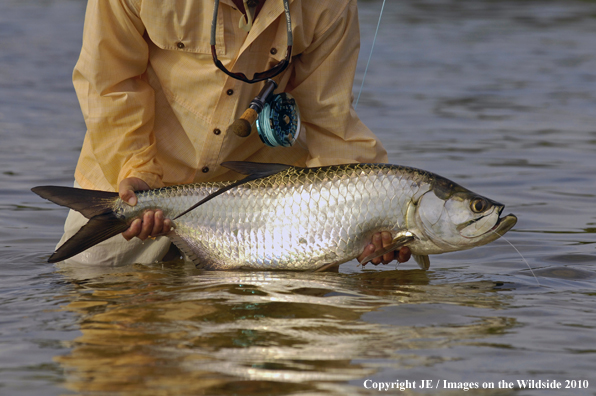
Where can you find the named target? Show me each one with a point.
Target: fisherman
(157, 108)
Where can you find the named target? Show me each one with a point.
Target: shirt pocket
(181, 25)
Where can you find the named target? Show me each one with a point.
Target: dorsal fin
(254, 170)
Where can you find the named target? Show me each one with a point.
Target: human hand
(152, 224)
(379, 241)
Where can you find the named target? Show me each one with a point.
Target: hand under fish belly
(287, 218)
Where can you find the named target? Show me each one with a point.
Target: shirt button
(230, 92)
(273, 51)
(205, 169)
(180, 44)
(217, 131)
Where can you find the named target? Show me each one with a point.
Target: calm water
(498, 95)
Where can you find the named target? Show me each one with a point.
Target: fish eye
(478, 205)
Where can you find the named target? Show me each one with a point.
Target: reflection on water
(174, 327)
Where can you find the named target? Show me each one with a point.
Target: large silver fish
(288, 218)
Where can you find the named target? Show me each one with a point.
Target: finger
(404, 254)
(133, 230)
(157, 224)
(377, 240)
(148, 220)
(369, 249)
(388, 257)
(167, 226)
(127, 188)
(387, 239)
(127, 194)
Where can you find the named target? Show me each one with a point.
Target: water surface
(497, 95)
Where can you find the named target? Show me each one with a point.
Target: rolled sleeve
(117, 103)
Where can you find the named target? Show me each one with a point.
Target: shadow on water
(173, 327)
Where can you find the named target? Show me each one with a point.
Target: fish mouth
(501, 225)
(504, 224)
(498, 230)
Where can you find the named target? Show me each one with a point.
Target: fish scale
(288, 218)
(298, 219)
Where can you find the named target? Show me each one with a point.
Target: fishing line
(523, 258)
(370, 55)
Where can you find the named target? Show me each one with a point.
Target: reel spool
(278, 123)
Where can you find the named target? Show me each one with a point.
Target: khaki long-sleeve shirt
(157, 108)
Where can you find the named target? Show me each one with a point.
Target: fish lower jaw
(505, 224)
(498, 230)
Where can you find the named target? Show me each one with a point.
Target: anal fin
(332, 267)
(185, 248)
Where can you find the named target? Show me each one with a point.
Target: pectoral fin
(423, 261)
(397, 243)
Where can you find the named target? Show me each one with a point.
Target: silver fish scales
(296, 219)
(290, 218)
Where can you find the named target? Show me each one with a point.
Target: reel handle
(243, 125)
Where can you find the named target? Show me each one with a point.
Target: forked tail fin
(94, 205)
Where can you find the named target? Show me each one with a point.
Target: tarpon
(283, 217)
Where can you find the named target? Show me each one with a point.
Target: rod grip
(243, 125)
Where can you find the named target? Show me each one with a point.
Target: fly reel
(278, 123)
(276, 117)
